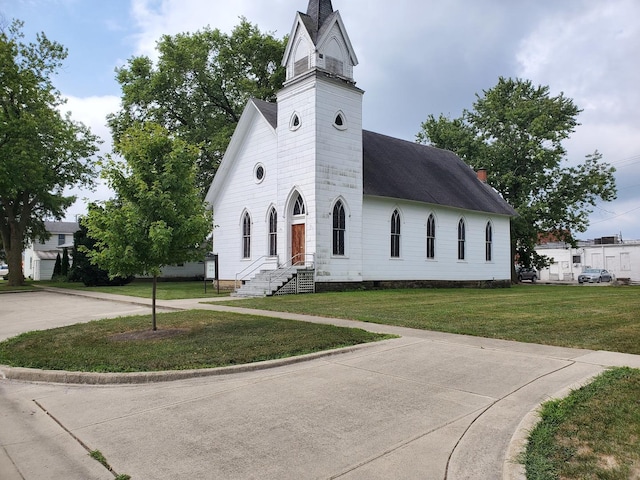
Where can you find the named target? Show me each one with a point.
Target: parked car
(594, 275)
(4, 270)
(525, 273)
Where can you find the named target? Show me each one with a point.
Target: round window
(259, 173)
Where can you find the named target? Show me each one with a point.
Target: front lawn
(592, 317)
(185, 340)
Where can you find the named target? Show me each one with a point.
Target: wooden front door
(297, 244)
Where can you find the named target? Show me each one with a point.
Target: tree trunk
(153, 302)
(13, 249)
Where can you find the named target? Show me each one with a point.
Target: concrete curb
(91, 378)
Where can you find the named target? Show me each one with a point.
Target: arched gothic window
(488, 242)
(461, 239)
(395, 234)
(339, 228)
(431, 237)
(273, 232)
(246, 236)
(298, 207)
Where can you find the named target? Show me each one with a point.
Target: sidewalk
(426, 405)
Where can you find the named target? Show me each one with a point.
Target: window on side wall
(395, 234)
(461, 239)
(431, 237)
(488, 242)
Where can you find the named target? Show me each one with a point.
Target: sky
(417, 57)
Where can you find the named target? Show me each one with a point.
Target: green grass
(594, 433)
(592, 317)
(198, 339)
(5, 288)
(142, 288)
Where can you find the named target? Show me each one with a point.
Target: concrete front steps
(283, 281)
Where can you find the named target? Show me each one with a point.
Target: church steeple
(319, 11)
(319, 42)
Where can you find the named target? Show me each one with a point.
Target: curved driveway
(427, 405)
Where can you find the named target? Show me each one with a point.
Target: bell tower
(320, 140)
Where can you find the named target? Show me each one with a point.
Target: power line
(616, 216)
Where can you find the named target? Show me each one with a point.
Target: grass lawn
(592, 317)
(5, 288)
(138, 288)
(184, 340)
(594, 433)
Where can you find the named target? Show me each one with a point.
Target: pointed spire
(319, 11)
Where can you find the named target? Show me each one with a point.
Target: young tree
(515, 131)
(157, 217)
(42, 152)
(199, 87)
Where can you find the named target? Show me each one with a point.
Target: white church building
(314, 202)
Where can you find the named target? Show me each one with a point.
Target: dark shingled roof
(406, 170)
(269, 110)
(61, 227)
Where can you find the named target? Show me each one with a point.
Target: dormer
(319, 41)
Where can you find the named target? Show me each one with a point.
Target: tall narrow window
(395, 234)
(273, 233)
(461, 239)
(246, 236)
(339, 228)
(298, 208)
(431, 237)
(488, 242)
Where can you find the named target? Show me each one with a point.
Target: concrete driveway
(427, 405)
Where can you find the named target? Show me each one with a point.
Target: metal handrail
(251, 268)
(292, 265)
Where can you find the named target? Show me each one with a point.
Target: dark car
(594, 275)
(525, 273)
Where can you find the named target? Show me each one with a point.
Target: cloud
(155, 18)
(588, 52)
(91, 111)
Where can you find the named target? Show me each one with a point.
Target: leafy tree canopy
(515, 130)
(199, 87)
(157, 217)
(42, 152)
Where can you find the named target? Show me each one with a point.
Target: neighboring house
(40, 257)
(620, 258)
(302, 183)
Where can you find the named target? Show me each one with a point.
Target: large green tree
(516, 131)
(157, 217)
(199, 86)
(42, 152)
